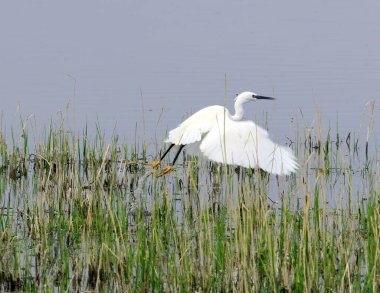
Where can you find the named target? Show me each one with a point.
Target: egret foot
(165, 170)
(153, 164)
(154, 170)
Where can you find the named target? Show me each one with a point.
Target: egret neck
(239, 110)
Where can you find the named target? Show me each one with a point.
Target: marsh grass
(80, 214)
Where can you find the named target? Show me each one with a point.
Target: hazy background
(312, 56)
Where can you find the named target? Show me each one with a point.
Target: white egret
(232, 139)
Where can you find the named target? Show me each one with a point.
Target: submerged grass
(80, 214)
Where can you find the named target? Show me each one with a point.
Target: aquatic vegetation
(79, 213)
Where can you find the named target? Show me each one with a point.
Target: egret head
(245, 97)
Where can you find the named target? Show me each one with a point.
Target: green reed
(78, 213)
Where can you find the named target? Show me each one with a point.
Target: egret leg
(154, 164)
(170, 167)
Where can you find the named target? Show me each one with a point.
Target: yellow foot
(153, 164)
(154, 170)
(165, 170)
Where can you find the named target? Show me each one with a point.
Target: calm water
(311, 56)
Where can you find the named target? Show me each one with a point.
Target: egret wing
(246, 144)
(196, 126)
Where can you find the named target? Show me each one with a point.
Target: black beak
(264, 98)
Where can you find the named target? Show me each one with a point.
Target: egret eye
(236, 95)
(253, 96)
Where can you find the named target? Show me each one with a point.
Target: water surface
(311, 56)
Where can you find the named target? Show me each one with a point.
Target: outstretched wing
(245, 144)
(196, 126)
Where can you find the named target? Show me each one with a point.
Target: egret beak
(264, 98)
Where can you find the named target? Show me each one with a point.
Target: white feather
(245, 144)
(233, 140)
(198, 124)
